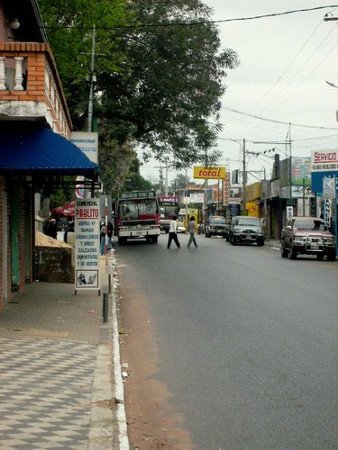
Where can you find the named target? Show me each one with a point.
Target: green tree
(160, 75)
(179, 183)
(172, 81)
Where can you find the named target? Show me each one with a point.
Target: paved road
(247, 341)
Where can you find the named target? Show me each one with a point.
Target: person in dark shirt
(51, 228)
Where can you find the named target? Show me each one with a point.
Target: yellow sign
(209, 173)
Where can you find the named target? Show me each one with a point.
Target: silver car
(246, 230)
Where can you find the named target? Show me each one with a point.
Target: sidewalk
(60, 376)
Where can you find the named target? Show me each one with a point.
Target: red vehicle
(307, 236)
(137, 216)
(169, 207)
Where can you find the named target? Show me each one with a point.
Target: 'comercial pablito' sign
(87, 243)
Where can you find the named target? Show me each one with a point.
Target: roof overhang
(29, 149)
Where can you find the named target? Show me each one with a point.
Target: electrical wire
(278, 121)
(199, 22)
(308, 76)
(277, 82)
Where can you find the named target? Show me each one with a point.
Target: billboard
(324, 161)
(209, 173)
(300, 171)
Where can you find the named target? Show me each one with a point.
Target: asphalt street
(246, 338)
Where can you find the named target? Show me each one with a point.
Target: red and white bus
(137, 216)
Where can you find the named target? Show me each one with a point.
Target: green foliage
(160, 76)
(70, 32)
(171, 86)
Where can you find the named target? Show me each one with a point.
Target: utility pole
(161, 179)
(166, 178)
(288, 141)
(92, 81)
(244, 181)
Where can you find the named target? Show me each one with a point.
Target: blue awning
(28, 149)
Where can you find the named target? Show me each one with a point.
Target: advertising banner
(87, 243)
(87, 141)
(301, 171)
(324, 161)
(209, 173)
(197, 197)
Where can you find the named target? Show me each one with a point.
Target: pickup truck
(246, 230)
(216, 226)
(307, 236)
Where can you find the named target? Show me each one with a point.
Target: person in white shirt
(173, 233)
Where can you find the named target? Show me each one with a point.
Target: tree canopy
(160, 74)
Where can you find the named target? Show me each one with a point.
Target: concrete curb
(119, 389)
(108, 424)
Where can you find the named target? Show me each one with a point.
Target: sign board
(327, 212)
(209, 173)
(300, 171)
(87, 243)
(87, 141)
(234, 201)
(168, 200)
(329, 187)
(197, 197)
(289, 212)
(324, 161)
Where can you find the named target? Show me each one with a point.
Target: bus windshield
(132, 209)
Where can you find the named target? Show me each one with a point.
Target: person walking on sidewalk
(173, 232)
(191, 229)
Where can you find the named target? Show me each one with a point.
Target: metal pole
(290, 168)
(106, 224)
(91, 89)
(105, 307)
(244, 181)
(166, 179)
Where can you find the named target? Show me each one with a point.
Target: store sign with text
(209, 173)
(324, 161)
(87, 243)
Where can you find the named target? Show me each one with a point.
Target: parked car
(181, 227)
(307, 236)
(216, 226)
(246, 230)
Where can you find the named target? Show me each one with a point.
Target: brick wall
(43, 82)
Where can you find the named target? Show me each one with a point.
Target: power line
(309, 74)
(277, 121)
(199, 22)
(277, 82)
(315, 138)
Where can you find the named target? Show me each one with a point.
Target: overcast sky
(285, 62)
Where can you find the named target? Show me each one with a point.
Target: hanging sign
(87, 243)
(209, 173)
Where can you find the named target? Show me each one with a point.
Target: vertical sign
(327, 212)
(87, 243)
(329, 193)
(289, 212)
